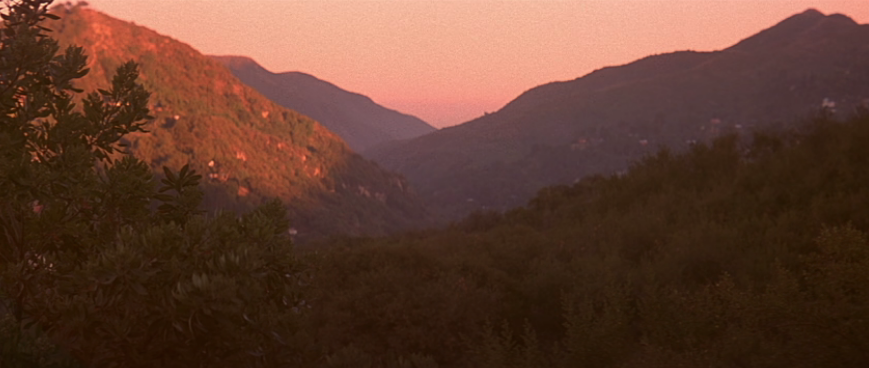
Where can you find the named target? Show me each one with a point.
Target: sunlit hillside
(248, 147)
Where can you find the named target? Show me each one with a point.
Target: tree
(83, 256)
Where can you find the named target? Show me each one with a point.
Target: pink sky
(450, 61)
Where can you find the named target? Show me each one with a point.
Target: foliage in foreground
(87, 263)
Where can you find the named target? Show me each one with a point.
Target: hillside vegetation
(727, 255)
(249, 148)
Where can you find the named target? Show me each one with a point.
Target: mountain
(355, 118)
(600, 123)
(247, 147)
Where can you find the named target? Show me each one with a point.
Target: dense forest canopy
(752, 251)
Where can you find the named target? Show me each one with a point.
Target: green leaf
(169, 175)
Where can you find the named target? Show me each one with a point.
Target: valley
(164, 208)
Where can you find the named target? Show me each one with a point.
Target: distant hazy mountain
(247, 147)
(355, 118)
(562, 131)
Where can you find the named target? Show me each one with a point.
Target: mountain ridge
(782, 33)
(560, 132)
(356, 118)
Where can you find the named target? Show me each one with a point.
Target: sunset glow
(450, 61)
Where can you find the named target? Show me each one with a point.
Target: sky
(448, 62)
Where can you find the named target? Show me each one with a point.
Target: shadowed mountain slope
(247, 147)
(355, 118)
(562, 131)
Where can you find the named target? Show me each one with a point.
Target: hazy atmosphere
(434, 184)
(450, 61)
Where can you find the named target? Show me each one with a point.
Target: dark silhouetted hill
(563, 131)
